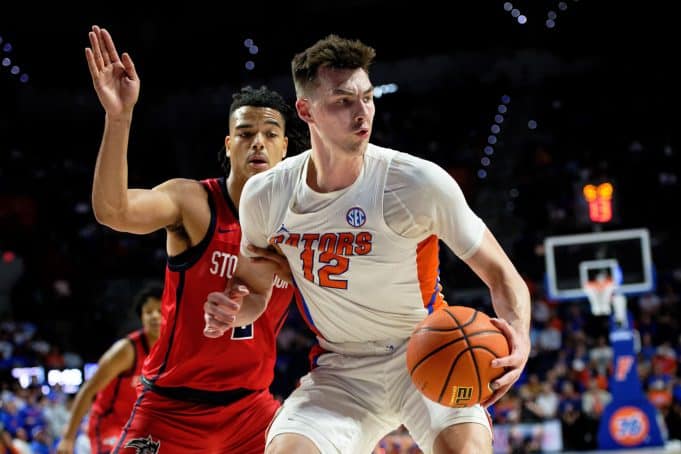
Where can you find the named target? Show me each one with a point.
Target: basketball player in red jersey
(113, 386)
(199, 395)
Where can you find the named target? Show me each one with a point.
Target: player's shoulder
(181, 186)
(409, 168)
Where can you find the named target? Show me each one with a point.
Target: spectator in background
(113, 385)
(6, 444)
(601, 356)
(595, 399)
(21, 442)
(41, 442)
(547, 401)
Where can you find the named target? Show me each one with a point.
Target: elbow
(103, 216)
(106, 213)
(107, 216)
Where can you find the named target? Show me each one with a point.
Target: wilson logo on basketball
(460, 394)
(629, 426)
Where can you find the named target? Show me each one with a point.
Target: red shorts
(104, 433)
(168, 426)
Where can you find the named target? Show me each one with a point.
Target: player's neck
(234, 187)
(151, 338)
(332, 170)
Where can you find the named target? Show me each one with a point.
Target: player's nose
(258, 142)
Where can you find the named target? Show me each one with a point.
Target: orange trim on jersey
(428, 270)
(315, 352)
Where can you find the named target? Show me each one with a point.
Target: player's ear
(283, 154)
(303, 109)
(227, 139)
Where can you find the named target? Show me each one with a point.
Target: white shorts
(348, 403)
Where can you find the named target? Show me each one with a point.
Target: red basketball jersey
(115, 401)
(184, 363)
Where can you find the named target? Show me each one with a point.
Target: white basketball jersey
(359, 281)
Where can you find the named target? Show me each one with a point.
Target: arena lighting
(6, 47)
(252, 50)
(599, 199)
(492, 139)
(385, 89)
(89, 370)
(69, 379)
(27, 376)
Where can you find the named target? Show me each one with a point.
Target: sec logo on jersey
(356, 217)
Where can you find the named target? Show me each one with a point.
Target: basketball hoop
(600, 291)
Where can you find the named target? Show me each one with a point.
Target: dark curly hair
(264, 97)
(152, 290)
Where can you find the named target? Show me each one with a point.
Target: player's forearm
(254, 304)
(511, 301)
(80, 406)
(110, 184)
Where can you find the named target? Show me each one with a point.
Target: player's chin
(255, 168)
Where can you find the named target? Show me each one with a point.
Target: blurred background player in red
(114, 383)
(199, 394)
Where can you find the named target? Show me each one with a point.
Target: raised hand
(221, 308)
(115, 79)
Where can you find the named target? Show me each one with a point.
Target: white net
(600, 292)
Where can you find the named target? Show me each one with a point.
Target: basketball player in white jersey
(359, 225)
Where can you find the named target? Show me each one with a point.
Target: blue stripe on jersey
(308, 316)
(429, 307)
(307, 311)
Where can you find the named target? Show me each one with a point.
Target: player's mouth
(362, 132)
(258, 161)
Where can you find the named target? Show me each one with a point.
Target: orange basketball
(450, 353)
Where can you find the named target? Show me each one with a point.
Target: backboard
(624, 255)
